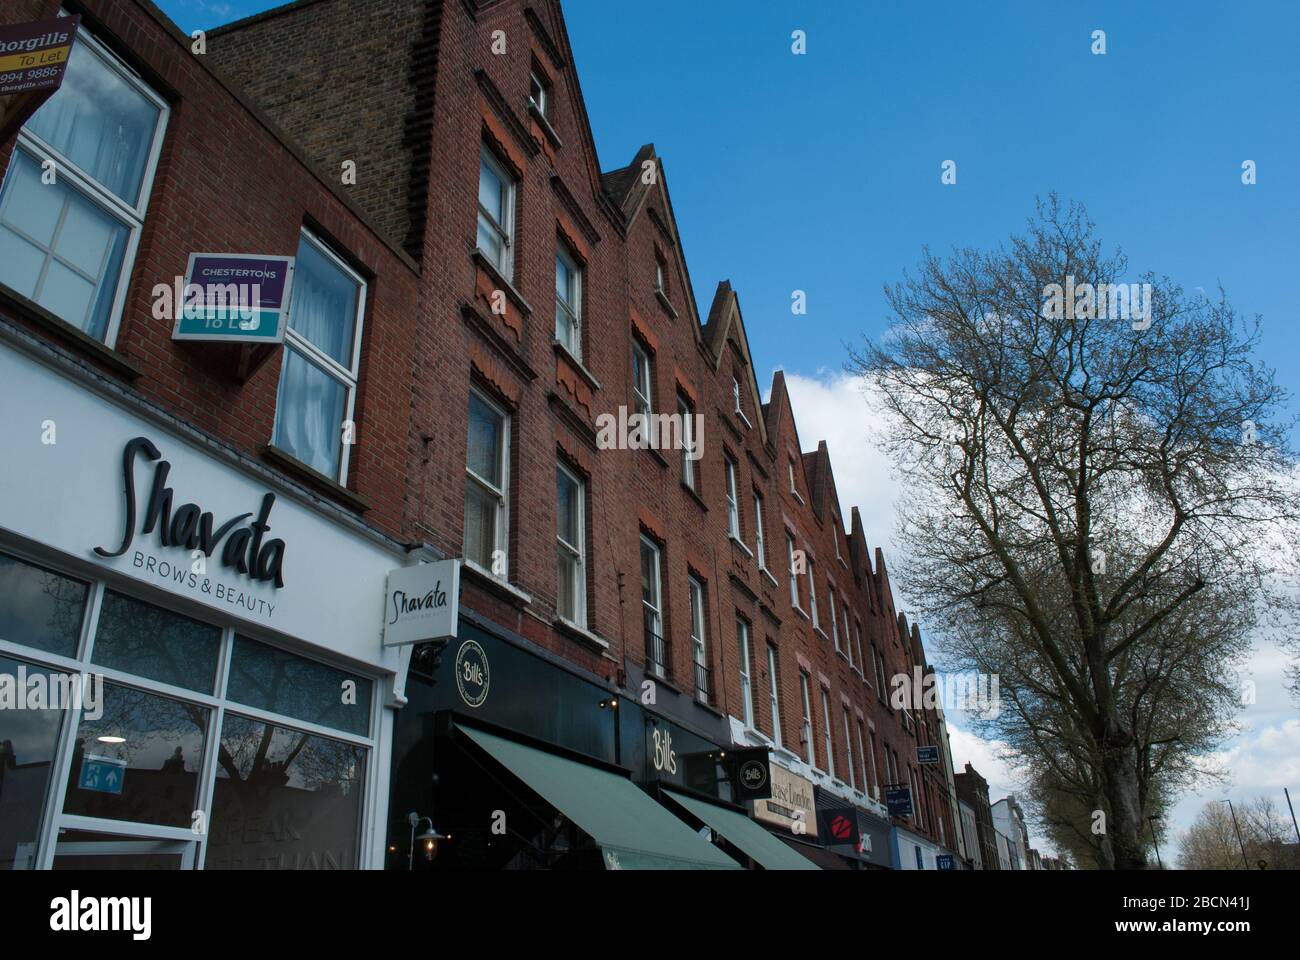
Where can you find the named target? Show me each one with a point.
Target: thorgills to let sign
(33, 59)
(422, 603)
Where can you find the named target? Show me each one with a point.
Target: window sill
(795, 494)
(318, 481)
(545, 124)
(799, 610)
(562, 350)
(741, 544)
(767, 573)
(695, 496)
(787, 754)
(843, 656)
(817, 629)
(665, 303)
(482, 259)
(485, 578)
(744, 419)
(579, 633)
(87, 345)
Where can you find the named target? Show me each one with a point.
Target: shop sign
(945, 861)
(232, 297)
(473, 677)
(899, 801)
(34, 56)
(750, 773)
(422, 603)
(101, 774)
(190, 527)
(927, 754)
(791, 805)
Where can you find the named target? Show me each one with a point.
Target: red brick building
(480, 310)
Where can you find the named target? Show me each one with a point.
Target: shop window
(284, 683)
(571, 551)
(496, 213)
(322, 350)
(568, 301)
(698, 647)
(69, 245)
(40, 608)
(139, 761)
(487, 480)
(746, 686)
(28, 741)
(139, 638)
(284, 799)
(652, 611)
(642, 380)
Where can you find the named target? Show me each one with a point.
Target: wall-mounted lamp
(428, 840)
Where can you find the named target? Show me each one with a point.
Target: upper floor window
(746, 688)
(794, 577)
(848, 638)
(571, 552)
(807, 718)
(735, 394)
(733, 511)
(835, 533)
(835, 630)
(812, 595)
(774, 693)
(848, 748)
(688, 441)
(826, 724)
(794, 488)
(487, 468)
(496, 212)
(537, 95)
(642, 379)
(698, 648)
(862, 759)
(659, 276)
(760, 544)
(568, 301)
(652, 611)
(69, 244)
(322, 354)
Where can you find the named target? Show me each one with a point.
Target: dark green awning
(745, 834)
(633, 831)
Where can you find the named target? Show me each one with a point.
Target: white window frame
(293, 340)
(573, 310)
(826, 723)
(657, 607)
(501, 495)
(746, 687)
(642, 393)
(774, 694)
(848, 745)
(760, 541)
(875, 772)
(862, 758)
(733, 508)
(810, 752)
(835, 629)
(794, 577)
(699, 638)
(540, 100)
(848, 637)
(578, 551)
(688, 427)
(505, 231)
(659, 277)
(812, 593)
(132, 217)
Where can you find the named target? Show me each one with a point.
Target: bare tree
(1212, 842)
(1088, 491)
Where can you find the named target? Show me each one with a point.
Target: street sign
(233, 298)
(945, 861)
(928, 754)
(899, 801)
(102, 774)
(34, 56)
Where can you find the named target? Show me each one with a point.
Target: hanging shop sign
(751, 773)
(34, 56)
(422, 603)
(899, 801)
(231, 297)
(791, 805)
(473, 675)
(927, 754)
(945, 861)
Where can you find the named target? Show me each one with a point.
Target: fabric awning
(745, 834)
(826, 859)
(633, 831)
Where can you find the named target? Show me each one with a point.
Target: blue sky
(821, 173)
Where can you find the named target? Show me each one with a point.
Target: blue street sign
(928, 754)
(899, 801)
(945, 861)
(102, 774)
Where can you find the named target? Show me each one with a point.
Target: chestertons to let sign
(422, 603)
(230, 297)
(33, 59)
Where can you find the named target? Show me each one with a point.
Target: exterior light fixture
(428, 840)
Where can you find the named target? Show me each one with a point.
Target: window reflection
(140, 638)
(284, 800)
(140, 761)
(40, 608)
(27, 741)
(281, 682)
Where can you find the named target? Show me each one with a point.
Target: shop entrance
(82, 850)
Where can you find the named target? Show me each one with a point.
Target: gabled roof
(726, 324)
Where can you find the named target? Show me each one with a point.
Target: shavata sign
(34, 56)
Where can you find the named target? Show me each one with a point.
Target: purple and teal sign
(234, 297)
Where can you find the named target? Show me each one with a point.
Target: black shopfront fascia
(526, 695)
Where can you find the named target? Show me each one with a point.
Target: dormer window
(735, 394)
(659, 276)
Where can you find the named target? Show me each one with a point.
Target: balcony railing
(656, 654)
(703, 680)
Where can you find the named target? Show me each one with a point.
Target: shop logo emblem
(841, 829)
(665, 756)
(753, 774)
(472, 675)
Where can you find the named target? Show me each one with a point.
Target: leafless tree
(1097, 504)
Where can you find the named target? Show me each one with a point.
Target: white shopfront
(236, 700)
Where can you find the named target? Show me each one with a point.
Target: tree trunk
(1119, 765)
